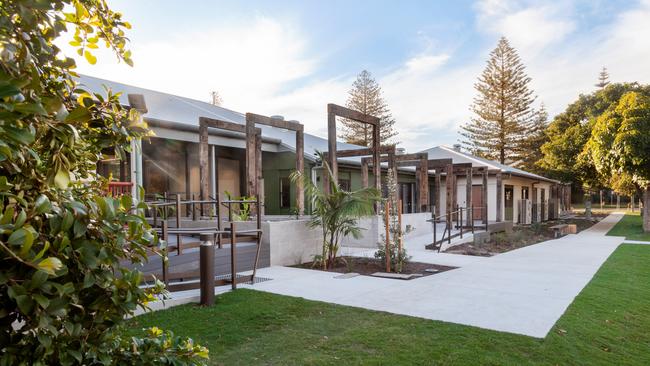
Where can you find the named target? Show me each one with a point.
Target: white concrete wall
(292, 241)
(374, 227)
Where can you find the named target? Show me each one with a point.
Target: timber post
(499, 197)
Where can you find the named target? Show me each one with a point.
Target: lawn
(607, 324)
(631, 227)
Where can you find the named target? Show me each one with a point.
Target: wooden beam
(438, 163)
(468, 195)
(377, 154)
(424, 183)
(364, 173)
(251, 160)
(499, 197)
(274, 122)
(258, 175)
(352, 114)
(485, 197)
(366, 151)
(204, 167)
(222, 125)
(331, 148)
(300, 166)
(436, 192)
(449, 185)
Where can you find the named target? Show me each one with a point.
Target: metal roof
(446, 152)
(185, 111)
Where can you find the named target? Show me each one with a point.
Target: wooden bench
(563, 229)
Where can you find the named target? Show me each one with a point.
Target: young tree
(366, 97)
(619, 144)
(64, 291)
(531, 145)
(603, 78)
(502, 108)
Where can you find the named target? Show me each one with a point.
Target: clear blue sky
(292, 57)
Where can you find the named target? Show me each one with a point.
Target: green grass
(607, 324)
(631, 227)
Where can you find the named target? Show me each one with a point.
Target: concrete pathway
(524, 291)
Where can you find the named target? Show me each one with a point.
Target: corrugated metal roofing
(175, 109)
(446, 152)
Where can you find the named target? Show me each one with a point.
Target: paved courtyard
(524, 291)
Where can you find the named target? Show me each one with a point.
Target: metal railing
(449, 218)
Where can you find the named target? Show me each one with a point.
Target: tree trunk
(646, 210)
(588, 206)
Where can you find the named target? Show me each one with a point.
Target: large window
(285, 192)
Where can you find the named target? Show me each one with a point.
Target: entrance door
(407, 193)
(477, 202)
(509, 192)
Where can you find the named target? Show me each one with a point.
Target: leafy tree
(620, 142)
(63, 290)
(565, 157)
(366, 97)
(336, 212)
(603, 78)
(531, 144)
(502, 108)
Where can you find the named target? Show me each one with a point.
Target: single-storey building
(169, 163)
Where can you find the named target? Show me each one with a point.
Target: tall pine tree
(531, 144)
(503, 107)
(365, 96)
(603, 78)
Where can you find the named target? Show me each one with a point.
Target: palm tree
(336, 212)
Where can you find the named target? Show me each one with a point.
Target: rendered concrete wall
(292, 241)
(373, 229)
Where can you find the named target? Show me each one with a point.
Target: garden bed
(522, 236)
(368, 266)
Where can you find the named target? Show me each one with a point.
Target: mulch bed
(522, 235)
(368, 266)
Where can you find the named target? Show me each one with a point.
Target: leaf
(90, 58)
(79, 114)
(62, 179)
(27, 243)
(19, 237)
(8, 90)
(30, 108)
(42, 204)
(50, 265)
(25, 303)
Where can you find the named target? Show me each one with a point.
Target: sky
(291, 58)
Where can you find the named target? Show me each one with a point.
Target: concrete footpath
(524, 291)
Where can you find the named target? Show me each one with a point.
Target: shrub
(63, 290)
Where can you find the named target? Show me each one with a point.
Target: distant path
(523, 291)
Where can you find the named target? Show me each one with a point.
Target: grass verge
(606, 324)
(631, 227)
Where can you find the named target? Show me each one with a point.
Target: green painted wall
(278, 165)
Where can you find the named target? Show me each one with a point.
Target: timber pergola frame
(418, 160)
(334, 111)
(206, 123)
(254, 162)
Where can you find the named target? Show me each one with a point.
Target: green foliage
(502, 108)
(63, 291)
(336, 211)
(241, 211)
(366, 97)
(566, 156)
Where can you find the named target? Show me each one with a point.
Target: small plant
(398, 255)
(241, 211)
(336, 211)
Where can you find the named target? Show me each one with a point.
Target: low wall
(373, 228)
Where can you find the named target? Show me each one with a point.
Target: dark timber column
(436, 191)
(331, 148)
(449, 185)
(251, 158)
(376, 168)
(499, 198)
(484, 211)
(424, 184)
(204, 169)
(468, 195)
(258, 171)
(364, 173)
(300, 166)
